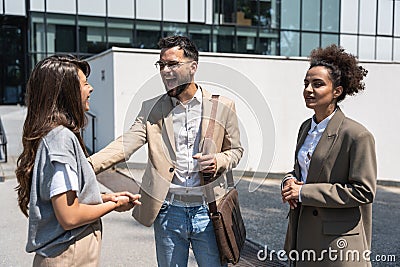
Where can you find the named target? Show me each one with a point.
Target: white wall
(102, 102)
(268, 96)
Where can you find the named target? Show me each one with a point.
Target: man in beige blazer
(173, 126)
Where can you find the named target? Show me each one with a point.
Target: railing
(89, 133)
(3, 144)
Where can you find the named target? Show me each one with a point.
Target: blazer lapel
(303, 136)
(324, 147)
(168, 128)
(300, 142)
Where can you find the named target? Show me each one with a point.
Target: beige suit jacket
(153, 126)
(336, 208)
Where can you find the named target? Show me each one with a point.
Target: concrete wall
(268, 96)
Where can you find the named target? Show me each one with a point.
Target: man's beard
(175, 92)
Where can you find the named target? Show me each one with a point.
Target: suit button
(171, 169)
(315, 212)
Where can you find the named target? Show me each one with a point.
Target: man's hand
(207, 163)
(290, 192)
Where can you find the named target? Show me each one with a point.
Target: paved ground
(127, 243)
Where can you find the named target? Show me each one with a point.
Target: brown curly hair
(53, 98)
(343, 69)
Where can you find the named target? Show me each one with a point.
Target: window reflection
(201, 36)
(148, 34)
(12, 53)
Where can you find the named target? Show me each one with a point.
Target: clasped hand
(290, 192)
(124, 200)
(207, 163)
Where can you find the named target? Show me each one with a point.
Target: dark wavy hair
(343, 69)
(183, 42)
(53, 98)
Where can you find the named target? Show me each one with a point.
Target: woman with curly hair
(57, 188)
(332, 187)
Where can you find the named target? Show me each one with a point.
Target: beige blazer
(336, 208)
(153, 126)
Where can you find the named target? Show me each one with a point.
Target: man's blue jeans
(176, 227)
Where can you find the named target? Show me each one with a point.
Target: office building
(33, 29)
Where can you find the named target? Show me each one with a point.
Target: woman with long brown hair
(57, 187)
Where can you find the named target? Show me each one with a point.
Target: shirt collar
(320, 127)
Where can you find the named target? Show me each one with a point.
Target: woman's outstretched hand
(124, 200)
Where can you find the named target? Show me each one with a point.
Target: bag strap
(213, 115)
(209, 135)
(206, 178)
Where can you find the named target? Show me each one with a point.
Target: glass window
(38, 37)
(366, 48)
(246, 40)
(120, 33)
(174, 29)
(349, 42)
(92, 7)
(121, 9)
(330, 15)
(61, 35)
(217, 15)
(92, 35)
(148, 10)
(367, 16)
(275, 12)
(268, 44)
(148, 33)
(227, 13)
(65, 38)
(310, 15)
(37, 5)
(385, 17)
(384, 48)
(201, 36)
(396, 49)
(12, 63)
(349, 16)
(197, 11)
(247, 13)
(209, 11)
(14, 7)
(309, 41)
(224, 39)
(268, 14)
(397, 19)
(328, 39)
(290, 18)
(290, 43)
(65, 6)
(175, 10)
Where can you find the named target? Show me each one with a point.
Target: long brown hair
(53, 98)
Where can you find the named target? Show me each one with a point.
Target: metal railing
(3, 144)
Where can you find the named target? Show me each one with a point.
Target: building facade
(33, 29)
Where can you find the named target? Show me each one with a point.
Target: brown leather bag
(227, 220)
(229, 228)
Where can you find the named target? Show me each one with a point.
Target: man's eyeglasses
(172, 65)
